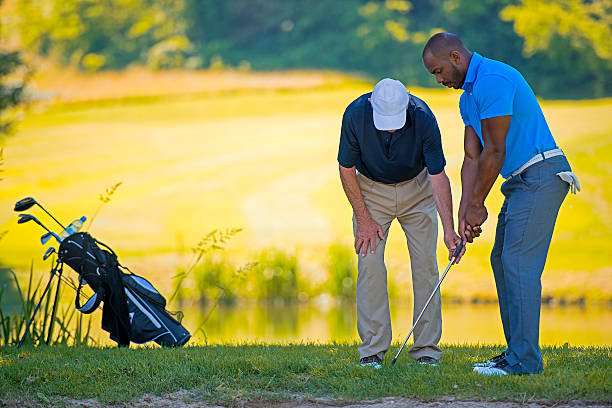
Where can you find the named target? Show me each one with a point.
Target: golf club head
(48, 253)
(24, 204)
(45, 237)
(25, 218)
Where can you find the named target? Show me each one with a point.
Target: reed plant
(71, 330)
(104, 198)
(212, 242)
(213, 278)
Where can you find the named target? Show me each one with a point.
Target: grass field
(199, 151)
(233, 374)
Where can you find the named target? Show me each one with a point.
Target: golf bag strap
(89, 240)
(91, 304)
(112, 252)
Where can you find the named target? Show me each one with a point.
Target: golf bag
(133, 309)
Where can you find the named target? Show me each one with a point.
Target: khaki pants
(412, 203)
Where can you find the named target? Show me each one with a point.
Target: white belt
(536, 159)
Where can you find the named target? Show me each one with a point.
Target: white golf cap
(389, 102)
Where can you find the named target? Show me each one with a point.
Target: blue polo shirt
(492, 88)
(390, 157)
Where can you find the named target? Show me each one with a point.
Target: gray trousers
(524, 231)
(412, 204)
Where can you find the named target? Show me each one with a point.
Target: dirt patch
(185, 399)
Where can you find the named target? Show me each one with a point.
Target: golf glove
(571, 179)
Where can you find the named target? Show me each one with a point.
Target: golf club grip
(458, 250)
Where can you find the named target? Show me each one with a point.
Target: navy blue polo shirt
(390, 157)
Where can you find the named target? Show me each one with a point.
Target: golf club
(457, 251)
(28, 202)
(45, 237)
(28, 217)
(48, 253)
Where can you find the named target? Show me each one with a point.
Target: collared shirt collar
(472, 71)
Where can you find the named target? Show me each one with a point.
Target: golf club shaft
(49, 214)
(36, 220)
(457, 251)
(57, 294)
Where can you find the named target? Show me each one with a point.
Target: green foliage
(342, 271)
(213, 241)
(234, 375)
(95, 34)
(13, 323)
(561, 46)
(571, 35)
(276, 276)
(386, 38)
(586, 25)
(214, 278)
(13, 77)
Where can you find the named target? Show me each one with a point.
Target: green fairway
(231, 374)
(262, 157)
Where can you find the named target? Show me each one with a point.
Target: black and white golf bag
(133, 309)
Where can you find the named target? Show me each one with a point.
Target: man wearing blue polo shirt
(392, 167)
(506, 133)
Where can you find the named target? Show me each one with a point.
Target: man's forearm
(348, 176)
(489, 165)
(444, 200)
(492, 156)
(469, 170)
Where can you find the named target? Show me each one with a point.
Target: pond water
(326, 322)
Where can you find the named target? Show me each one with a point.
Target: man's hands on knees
(367, 230)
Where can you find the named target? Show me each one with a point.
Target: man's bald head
(447, 59)
(442, 44)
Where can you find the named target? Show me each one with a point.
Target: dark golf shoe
(491, 362)
(371, 361)
(430, 361)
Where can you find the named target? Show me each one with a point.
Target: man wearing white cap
(392, 166)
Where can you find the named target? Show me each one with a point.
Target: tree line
(562, 47)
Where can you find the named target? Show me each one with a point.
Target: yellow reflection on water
(330, 322)
(473, 324)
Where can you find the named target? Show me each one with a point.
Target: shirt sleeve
(432, 145)
(463, 110)
(349, 151)
(494, 96)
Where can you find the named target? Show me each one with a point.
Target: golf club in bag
(457, 252)
(133, 311)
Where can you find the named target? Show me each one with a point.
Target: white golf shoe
(498, 369)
